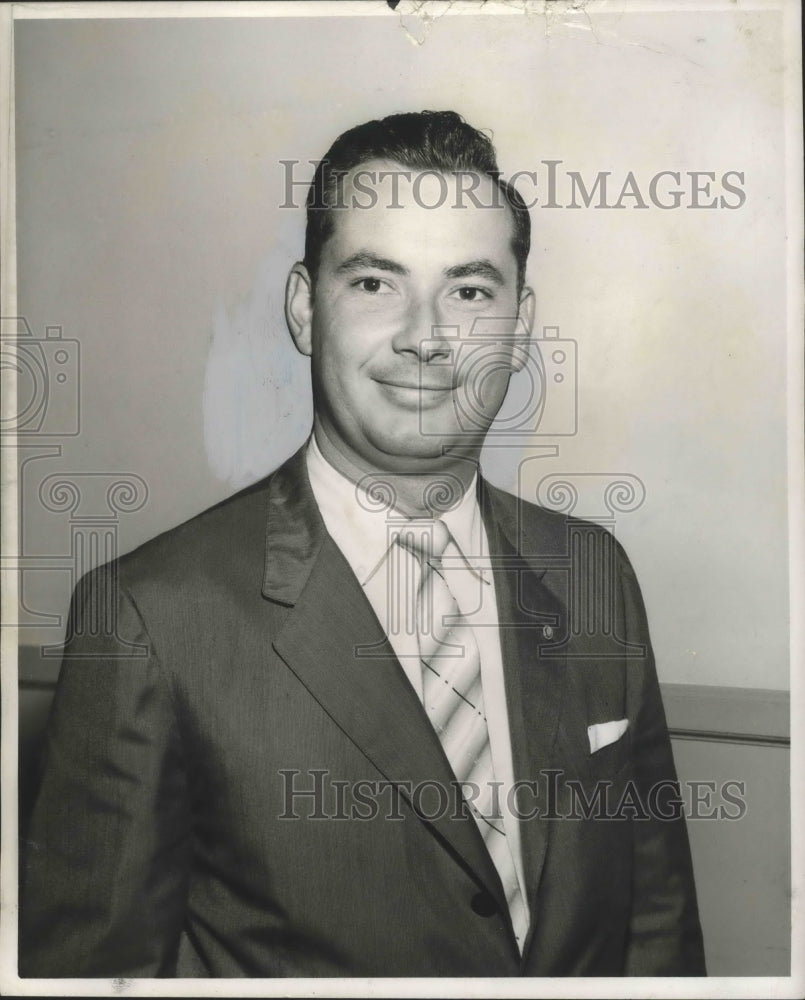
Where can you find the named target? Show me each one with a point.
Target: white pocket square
(604, 733)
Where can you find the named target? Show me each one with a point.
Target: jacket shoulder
(211, 538)
(224, 541)
(535, 528)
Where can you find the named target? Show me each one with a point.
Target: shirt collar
(364, 530)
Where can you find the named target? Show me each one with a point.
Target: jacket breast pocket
(576, 757)
(613, 759)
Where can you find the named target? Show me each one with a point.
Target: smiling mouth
(416, 386)
(413, 395)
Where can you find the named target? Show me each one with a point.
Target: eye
(369, 285)
(473, 293)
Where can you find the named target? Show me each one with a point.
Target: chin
(411, 448)
(428, 450)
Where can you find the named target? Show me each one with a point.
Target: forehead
(421, 216)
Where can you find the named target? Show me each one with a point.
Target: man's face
(402, 374)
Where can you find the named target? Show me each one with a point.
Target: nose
(422, 337)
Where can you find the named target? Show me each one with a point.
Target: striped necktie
(453, 700)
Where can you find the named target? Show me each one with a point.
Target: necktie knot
(427, 539)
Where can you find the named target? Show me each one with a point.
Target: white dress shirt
(365, 532)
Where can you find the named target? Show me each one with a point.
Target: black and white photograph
(402, 467)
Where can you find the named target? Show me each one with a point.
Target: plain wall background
(148, 186)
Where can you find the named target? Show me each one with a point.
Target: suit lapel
(365, 692)
(534, 682)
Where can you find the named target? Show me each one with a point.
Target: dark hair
(423, 140)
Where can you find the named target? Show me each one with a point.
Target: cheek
(347, 339)
(337, 362)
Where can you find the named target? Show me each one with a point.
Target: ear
(525, 327)
(299, 308)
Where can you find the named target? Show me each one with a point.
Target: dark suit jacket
(212, 672)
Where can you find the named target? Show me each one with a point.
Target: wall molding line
(743, 739)
(738, 715)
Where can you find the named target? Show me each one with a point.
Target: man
(342, 724)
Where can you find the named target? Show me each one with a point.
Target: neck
(421, 494)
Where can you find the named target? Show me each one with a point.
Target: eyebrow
(476, 269)
(365, 258)
(482, 268)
